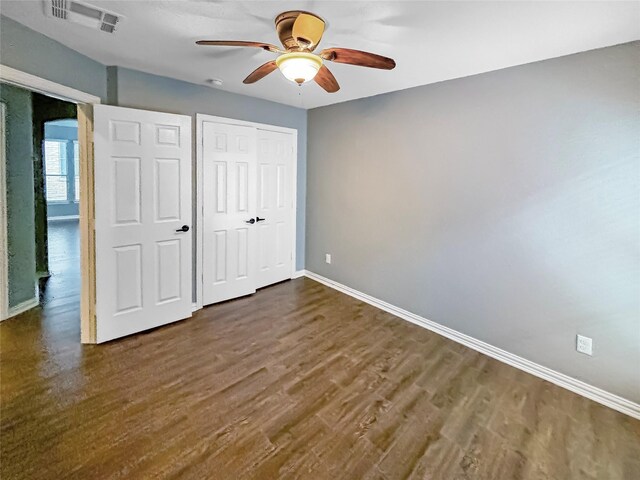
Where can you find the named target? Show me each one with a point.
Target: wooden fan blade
(261, 72)
(326, 80)
(357, 57)
(308, 30)
(234, 43)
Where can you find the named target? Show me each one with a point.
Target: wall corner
(112, 85)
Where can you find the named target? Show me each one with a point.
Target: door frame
(200, 118)
(4, 253)
(85, 102)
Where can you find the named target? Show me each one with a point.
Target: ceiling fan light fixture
(300, 33)
(299, 67)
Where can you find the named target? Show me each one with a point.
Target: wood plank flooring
(296, 381)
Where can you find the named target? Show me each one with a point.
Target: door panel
(125, 190)
(167, 192)
(128, 278)
(229, 172)
(168, 260)
(142, 198)
(275, 206)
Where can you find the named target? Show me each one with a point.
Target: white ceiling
(430, 41)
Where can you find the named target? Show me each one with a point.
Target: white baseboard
(577, 386)
(23, 307)
(26, 305)
(298, 274)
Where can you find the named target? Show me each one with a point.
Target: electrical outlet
(327, 257)
(584, 345)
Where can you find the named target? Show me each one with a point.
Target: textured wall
(141, 90)
(504, 205)
(20, 206)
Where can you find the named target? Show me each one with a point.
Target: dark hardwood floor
(62, 289)
(296, 381)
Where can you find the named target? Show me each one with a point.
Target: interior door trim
(4, 251)
(85, 102)
(46, 87)
(200, 119)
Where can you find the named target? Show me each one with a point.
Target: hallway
(60, 293)
(64, 262)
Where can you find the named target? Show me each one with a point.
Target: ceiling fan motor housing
(284, 27)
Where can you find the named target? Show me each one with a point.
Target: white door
(275, 207)
(229, 198)
(142, 201)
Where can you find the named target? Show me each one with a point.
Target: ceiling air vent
(58, 8)
(82, 13)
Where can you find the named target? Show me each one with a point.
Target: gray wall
(20, 196)
(503, 205)
(34, 53)
(131, 88)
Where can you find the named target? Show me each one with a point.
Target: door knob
(252, 221)
(258, 219)
(184, 228)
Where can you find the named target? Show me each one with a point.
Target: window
(62, 170)
(55, 164)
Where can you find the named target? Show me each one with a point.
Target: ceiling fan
(300, 33)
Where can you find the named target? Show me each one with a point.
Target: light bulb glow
(299, 67)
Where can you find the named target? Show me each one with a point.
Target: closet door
(229, 211)
(275, 207)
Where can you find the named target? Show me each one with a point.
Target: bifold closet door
(275, 207)
(248, 212)
(229, 200)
